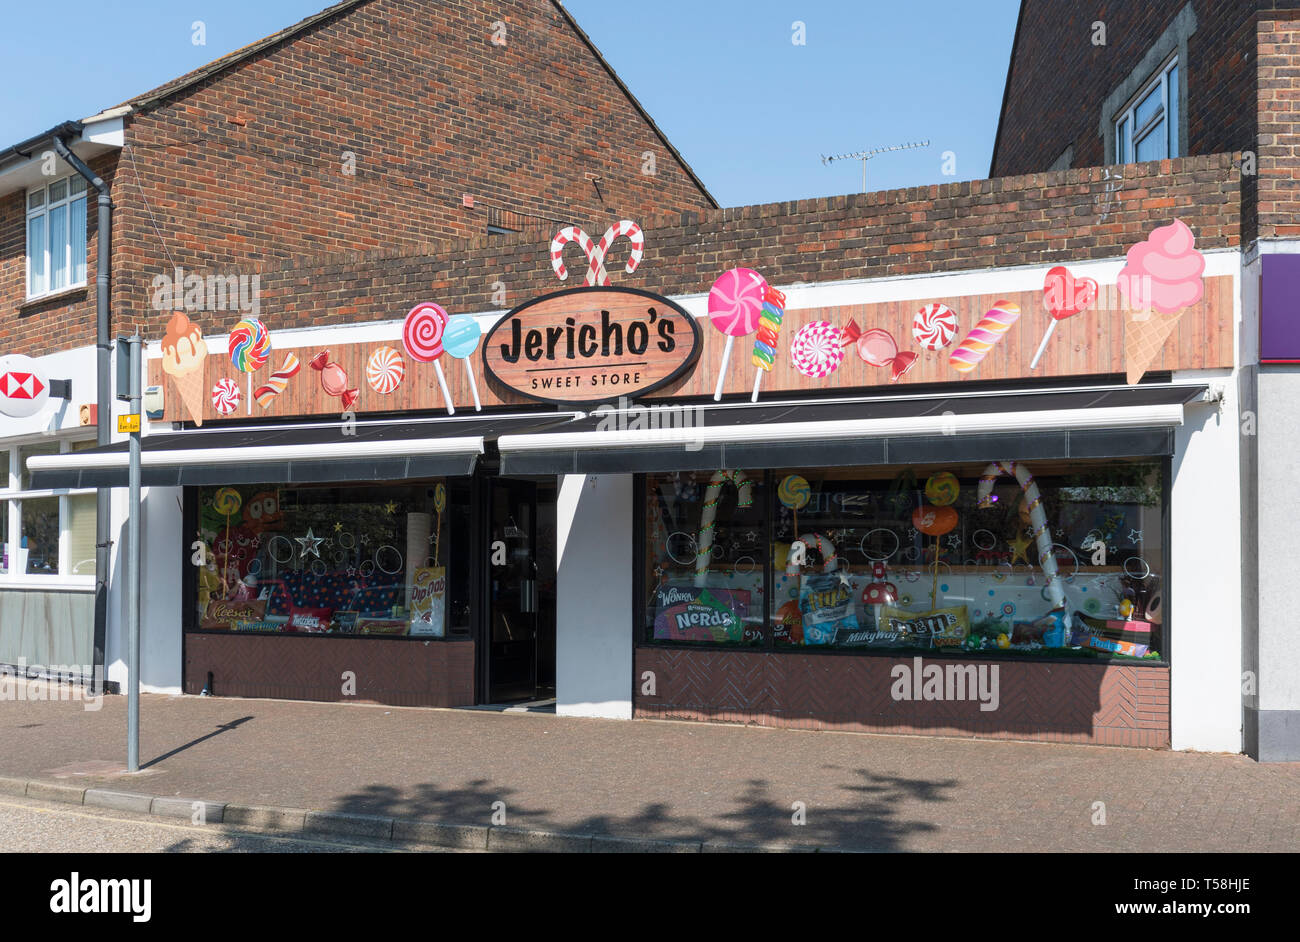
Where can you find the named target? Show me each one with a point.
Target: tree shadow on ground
(865, 816)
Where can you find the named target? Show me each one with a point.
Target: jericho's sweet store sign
(591, 344)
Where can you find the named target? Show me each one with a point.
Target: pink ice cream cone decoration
(1162, 275)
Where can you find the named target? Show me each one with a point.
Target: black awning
(283, 454)
(1101, 422)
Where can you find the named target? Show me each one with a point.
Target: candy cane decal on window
(709, 514)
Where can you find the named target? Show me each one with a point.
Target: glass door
(512, 591)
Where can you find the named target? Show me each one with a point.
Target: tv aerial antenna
(865, 155)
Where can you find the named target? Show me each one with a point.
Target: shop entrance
(520, 645)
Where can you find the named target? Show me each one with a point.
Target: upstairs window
(1148, 128)
(56, 236)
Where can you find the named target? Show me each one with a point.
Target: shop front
(872, 514)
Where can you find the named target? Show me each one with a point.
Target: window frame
(640, 595)
(13, 495)
(1128, 135)
(43, 212)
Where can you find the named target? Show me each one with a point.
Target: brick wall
(1278, 183)
(1095, 704)
(248, 165)
(1059, 79)
(1035, 219)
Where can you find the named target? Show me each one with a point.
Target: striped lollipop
(250, 348)
(984, 336)
(422, 338)
(769, 334)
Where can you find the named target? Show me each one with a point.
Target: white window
(56, 236)
(1148, 128)
(44, 535)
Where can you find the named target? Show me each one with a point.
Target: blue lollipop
(460, 340)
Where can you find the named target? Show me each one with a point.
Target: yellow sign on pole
(128, 423)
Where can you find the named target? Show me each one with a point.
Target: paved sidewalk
(660, 780)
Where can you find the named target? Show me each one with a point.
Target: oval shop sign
(592, 344)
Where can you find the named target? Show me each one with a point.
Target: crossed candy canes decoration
(708, 516)
(1037, 523)
(596, 274)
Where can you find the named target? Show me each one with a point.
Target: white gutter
(1042, 420)
(252, 454)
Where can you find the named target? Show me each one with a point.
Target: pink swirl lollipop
(225, 396)
(422, 338)
(735, 305)
(817, 349)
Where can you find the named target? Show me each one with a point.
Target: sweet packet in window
(826, 603)
(940, 628)
(692, 614)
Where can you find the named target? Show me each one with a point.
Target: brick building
(719, 541)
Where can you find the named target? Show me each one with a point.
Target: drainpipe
(103, 400)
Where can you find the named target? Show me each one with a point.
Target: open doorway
(519, 664)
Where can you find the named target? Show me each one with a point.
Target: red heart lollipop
(1063, 296)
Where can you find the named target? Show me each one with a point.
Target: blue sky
(749, 109)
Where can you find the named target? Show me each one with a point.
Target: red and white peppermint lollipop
(817, 349)
(422, 339)
(735, 306)
(935, 326)
(225, 396)
(385, 370)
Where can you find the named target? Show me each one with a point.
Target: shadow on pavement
(222, 728)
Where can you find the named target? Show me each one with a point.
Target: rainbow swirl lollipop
(250, 348)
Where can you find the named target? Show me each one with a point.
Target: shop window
(56, 236)
(44, 533)
(902, 559)
(372, 561)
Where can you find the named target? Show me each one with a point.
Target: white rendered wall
(593, 663)
(1204, 597)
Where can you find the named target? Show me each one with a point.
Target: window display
(331, 560)
(1053, 558)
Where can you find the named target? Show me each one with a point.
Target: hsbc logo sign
(24, 389)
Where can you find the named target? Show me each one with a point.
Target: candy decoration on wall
(250, 348)
(385, 370)
(595, 252)
(225, 396)
(278, 382)
(334, 379)
(439, 505)
(1063, 296)
(817, 349)
(460, 341)
(984, 336)
(709, 514)
(1162, 274)
(769, 336)
(422, 338)
(735, 304)
(934, 326)
(184, 351)
(942, 489)
(1038, 522)
(935, 522)
(877, 347)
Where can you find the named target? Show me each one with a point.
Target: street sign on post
(124, 369)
